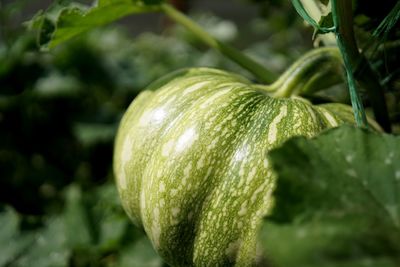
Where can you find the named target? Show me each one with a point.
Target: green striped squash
(191, 162)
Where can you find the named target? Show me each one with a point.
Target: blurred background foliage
(59, 112)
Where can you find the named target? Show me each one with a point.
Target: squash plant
(191, 156)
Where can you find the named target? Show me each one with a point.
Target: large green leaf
(63, 20)
(337, 201)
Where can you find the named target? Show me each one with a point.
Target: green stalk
(259, 71)
(343, 19)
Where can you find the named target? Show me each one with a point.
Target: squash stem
(316, 70)
(259, 71)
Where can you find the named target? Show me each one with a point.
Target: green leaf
(56, 85)
(12, 244)
(325, 22)
(337, 201)
(63, 21)
(324, 244)
(49, 248)
(44, 247)
(140, 254)
(112, 220)
(297, 4)
(389, 22)
(9, 222)
(76, 217)
(91, 133)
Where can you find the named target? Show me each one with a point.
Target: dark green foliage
(92, 231)
(337, 201)
(58, 117)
